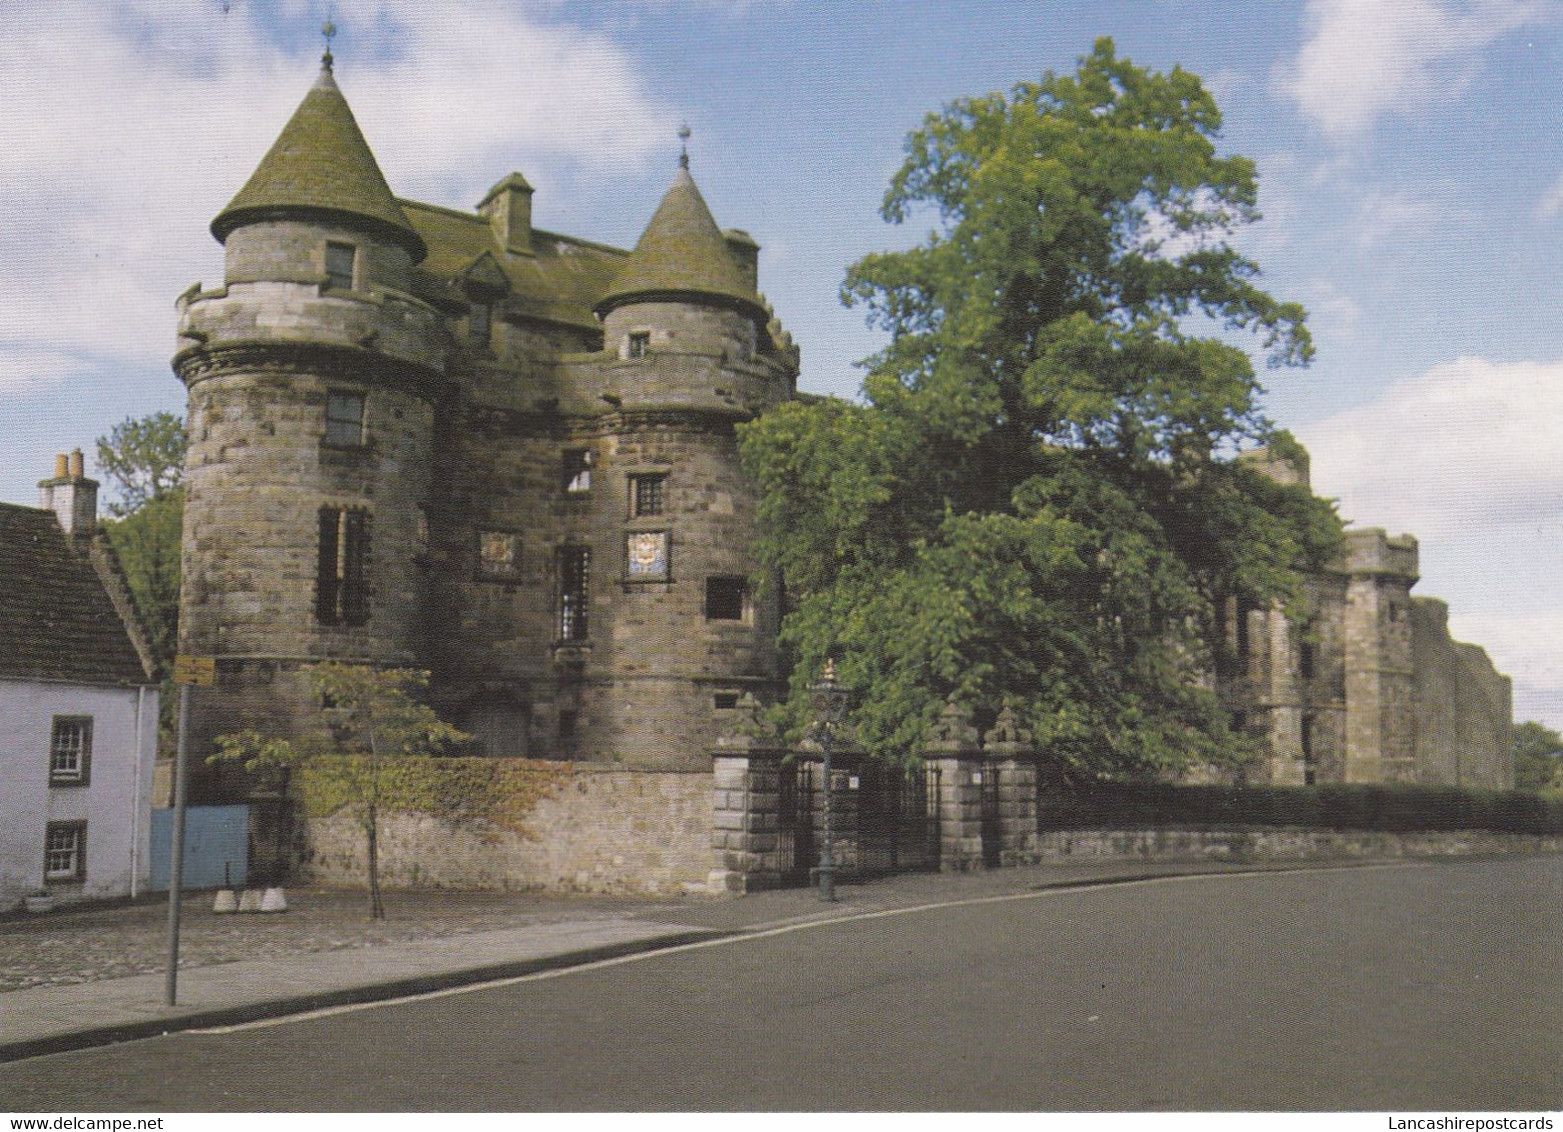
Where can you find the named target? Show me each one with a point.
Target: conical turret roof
(681, 253)
(321, 164)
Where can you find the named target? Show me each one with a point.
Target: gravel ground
(82, 946)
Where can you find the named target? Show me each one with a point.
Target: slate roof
(320, 163)
(561, 280)
(681, 252)
(56, 619)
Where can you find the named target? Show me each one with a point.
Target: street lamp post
(830, 710)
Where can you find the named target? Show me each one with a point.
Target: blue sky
(1410, 155)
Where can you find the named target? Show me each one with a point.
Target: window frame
(82, 773)
(741, 591)
(656, 485)
(572, 606)
(334, 274)
(637, 344)
(575, 471)
(77, 873)
(342, 593)
(349, 428)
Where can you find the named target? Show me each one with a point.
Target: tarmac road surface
(1427, 986)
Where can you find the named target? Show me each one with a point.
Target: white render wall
(115, 804)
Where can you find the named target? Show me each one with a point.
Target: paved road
(1428, 986)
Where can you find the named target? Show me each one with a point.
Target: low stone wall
(1280, 843)
(605, 830)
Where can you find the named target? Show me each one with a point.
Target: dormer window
(341, 265)
(637, 345)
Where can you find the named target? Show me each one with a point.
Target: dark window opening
(574, 594)
(639, 342)
(577, 474)
(646, 495)
(341, 262)
(727, 598)
(65, 851)
(342, 583)
(345, 418)
(722, 701)
(70, 750)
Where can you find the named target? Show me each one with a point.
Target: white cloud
(1551, 202)
(1365, 58)
(1469, 449)
(24, 370)
(109, 178)
(1382, 214)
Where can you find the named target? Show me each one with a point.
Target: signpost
(199, 671)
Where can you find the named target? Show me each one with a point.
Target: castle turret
(313, 375)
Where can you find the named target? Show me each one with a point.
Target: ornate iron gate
(796, 853)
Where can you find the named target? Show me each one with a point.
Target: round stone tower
(687, 355)
(312, 376)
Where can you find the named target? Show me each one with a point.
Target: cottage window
(639, 342)
(574, 593)
(65, 851)
(727, 598)
(724, 701)
(341, 265)
(342, 584)
(646, 495)
(499, 554)
(577, 470)
(345, 418)
(70, 750)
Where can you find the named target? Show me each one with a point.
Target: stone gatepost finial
(1007, 737)
(748, 729)
(953, 731)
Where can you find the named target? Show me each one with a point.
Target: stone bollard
(250, 901)
(225, 901)
(274, 900)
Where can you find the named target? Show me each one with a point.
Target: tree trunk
(372, 830)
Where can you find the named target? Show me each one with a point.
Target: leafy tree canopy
(375, 718)
(144, 458)
(1538, 757)
(1038, 505)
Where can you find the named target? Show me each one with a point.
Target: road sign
(198, 670)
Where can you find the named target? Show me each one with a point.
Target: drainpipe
(135, 809)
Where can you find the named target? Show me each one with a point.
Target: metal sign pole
(177, 860)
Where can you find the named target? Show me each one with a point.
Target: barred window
(342, 585)
(65, 851)
(646, 495)
(344, 418)
(574, 595)
(70, 750)
(341, 262)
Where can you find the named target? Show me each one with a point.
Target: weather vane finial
(683, 137)
(328, 30)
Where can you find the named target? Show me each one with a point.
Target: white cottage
(78, 705)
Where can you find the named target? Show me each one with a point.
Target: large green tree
(143, 459)
(1538, 757)
(1038, 503)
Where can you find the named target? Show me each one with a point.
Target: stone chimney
(508, 207)
(71, 495)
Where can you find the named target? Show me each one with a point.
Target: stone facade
(1368, 686)
(451, 441)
